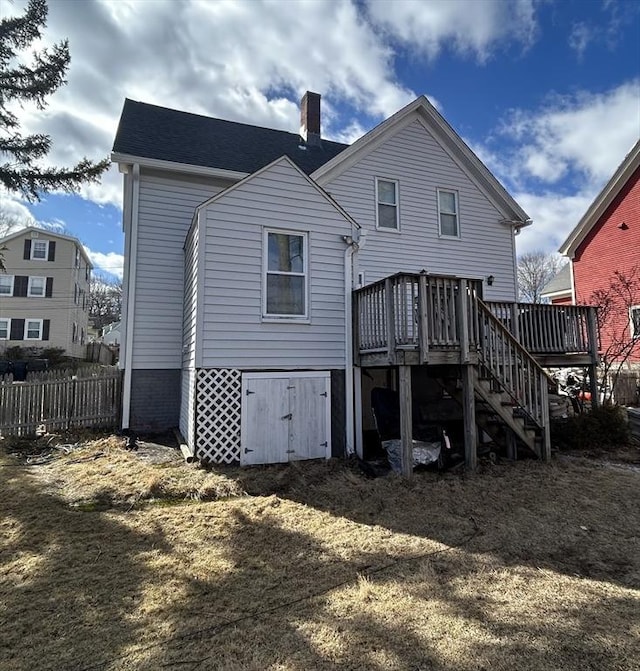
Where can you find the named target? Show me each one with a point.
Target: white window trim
(268, 317)
(46, 250)
(12, 279)
(633, 333)
(397, 206)
(44, 287)
(6, 319)
(26, 328)
(457, 213)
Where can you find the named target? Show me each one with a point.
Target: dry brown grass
(527, 566)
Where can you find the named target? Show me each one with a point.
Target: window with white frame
(387, 215)
(634, 314)
(5, 328)
(285, 274)
(6, 285)
(40, 249)
(448, 220)
(33, 329)
(37, 286)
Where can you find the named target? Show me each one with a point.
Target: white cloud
(111, 263)
(475, 27)
(580, 37)
(586, 134)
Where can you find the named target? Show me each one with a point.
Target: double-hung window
(285, 275)
(448, 219)
(33, 329)
(36, 286)
(6, 285)
(40, 249)
(387, 214)
(5, 328)
(634, 314)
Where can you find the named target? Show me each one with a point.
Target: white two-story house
(244, 247)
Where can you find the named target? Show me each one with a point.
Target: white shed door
(285, 416)
(309, 403)
(264, 432)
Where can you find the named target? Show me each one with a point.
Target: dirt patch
(526, 566)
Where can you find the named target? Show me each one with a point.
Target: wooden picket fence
(60, 400)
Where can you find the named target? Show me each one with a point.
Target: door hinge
(247, 450)
(290, 451)
(325, 444)
(249, 392)
(289, 416)
(324, 393)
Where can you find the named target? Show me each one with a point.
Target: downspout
(131, 289)
(353, 245)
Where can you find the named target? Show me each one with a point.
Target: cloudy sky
(546, 92)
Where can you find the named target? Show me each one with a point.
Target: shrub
(602, 427)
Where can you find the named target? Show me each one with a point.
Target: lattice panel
(218, 403)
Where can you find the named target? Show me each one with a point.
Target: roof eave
(601, 202)
(173, 166)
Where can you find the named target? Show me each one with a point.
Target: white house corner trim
(131, 288)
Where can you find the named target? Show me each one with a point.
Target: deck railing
(548, 329)
(415, 311)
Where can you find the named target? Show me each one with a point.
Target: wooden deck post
(423, 323)
(544, 411)
(463, 321)
(406, 420)
(391, 323)
(595, 359)
(469, 415)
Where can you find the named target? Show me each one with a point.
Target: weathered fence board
(60, 400)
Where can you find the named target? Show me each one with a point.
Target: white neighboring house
(44, 291)
(111, 334)
(243, 246)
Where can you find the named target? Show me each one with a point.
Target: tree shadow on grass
(70, 578)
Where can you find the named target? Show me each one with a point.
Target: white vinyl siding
(387, 204)
(422, 166)
(190, 298)
(187, 406)
(233, 332)
(166, 207)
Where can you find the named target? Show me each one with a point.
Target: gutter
(131, 290)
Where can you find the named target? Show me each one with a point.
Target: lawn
(118, 560)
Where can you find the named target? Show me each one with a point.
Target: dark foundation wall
(155, 399)
(338, 414)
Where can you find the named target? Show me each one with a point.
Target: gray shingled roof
(156, 132)
(561, 281)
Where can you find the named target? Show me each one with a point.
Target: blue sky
(546, 92)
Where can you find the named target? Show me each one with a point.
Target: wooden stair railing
(513, 373)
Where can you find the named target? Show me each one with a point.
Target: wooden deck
(413, 319)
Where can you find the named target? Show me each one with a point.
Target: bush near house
(600, 428)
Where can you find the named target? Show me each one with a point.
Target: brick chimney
(310, 118)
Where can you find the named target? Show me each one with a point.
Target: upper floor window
(285, 274)
(36, 286)
(40, 249)
(449, 224)
(387, 215)
(5, 328)
(33, 329)
(634, 313)
(6, 285)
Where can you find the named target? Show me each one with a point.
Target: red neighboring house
(605, 242)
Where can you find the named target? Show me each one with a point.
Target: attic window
(40, 249)
(387, 204)
(448, 214)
